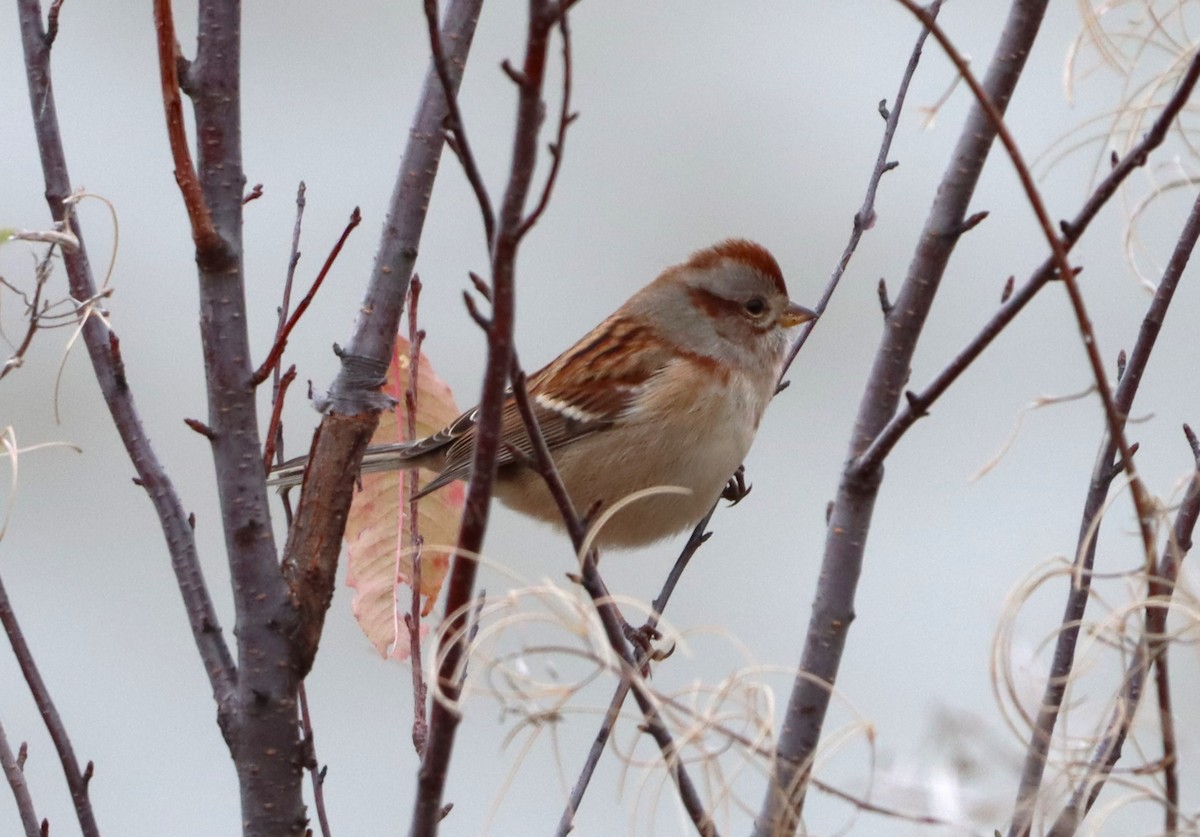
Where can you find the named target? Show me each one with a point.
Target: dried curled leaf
(379, 542)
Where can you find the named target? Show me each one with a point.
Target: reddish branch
(204, 234)
(285, 331)
(565, 118)
(460, 587)
(275, 424)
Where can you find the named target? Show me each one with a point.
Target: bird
(665, 394)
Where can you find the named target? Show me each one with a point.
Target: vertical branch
(416, 337)
(444, 719)
(264, 739)
(833, 608)
(112, 379)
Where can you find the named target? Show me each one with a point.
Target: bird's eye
(755, 306)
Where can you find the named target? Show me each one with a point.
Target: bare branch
(1013, 303)
(283, 333)
(1151, 648)
(14, 772)
(353, 402)
(76, 779)
(697, 539)
(503, 248)
(1079, 593)
(864, 218)
(416, 337)
(454, 121)
(180, 539)
(565, 118)
(310, 762)
(204, 233)
(833, 609)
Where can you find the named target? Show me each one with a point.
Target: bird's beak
(795, 314)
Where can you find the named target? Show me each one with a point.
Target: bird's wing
(583, 391)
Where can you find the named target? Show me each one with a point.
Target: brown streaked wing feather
(583, 391)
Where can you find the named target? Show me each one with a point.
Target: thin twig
(77, 780)
(34, 311)
(15, 774)
(420, 728)
(274, 434)
(1067, 274)
(864, 218)
(454, 122)
(282, 336)
(1102, 476)
(610, 618)
(311, 764)
(909, 413)
(658, 606)
(565, 118)
(204, 232)
(1151, 646)
(503, 250)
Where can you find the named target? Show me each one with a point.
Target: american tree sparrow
(668, 391)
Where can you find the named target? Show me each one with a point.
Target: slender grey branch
(15, 774)
(910, 412)
(1103, 473)
(864, 218)
(113, 381)
(698, 537)
(1151, 647)
(77, 780)
(833, 608)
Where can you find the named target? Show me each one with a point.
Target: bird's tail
(377, 458)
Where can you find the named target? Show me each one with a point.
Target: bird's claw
(642, 639)
(737, 488)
